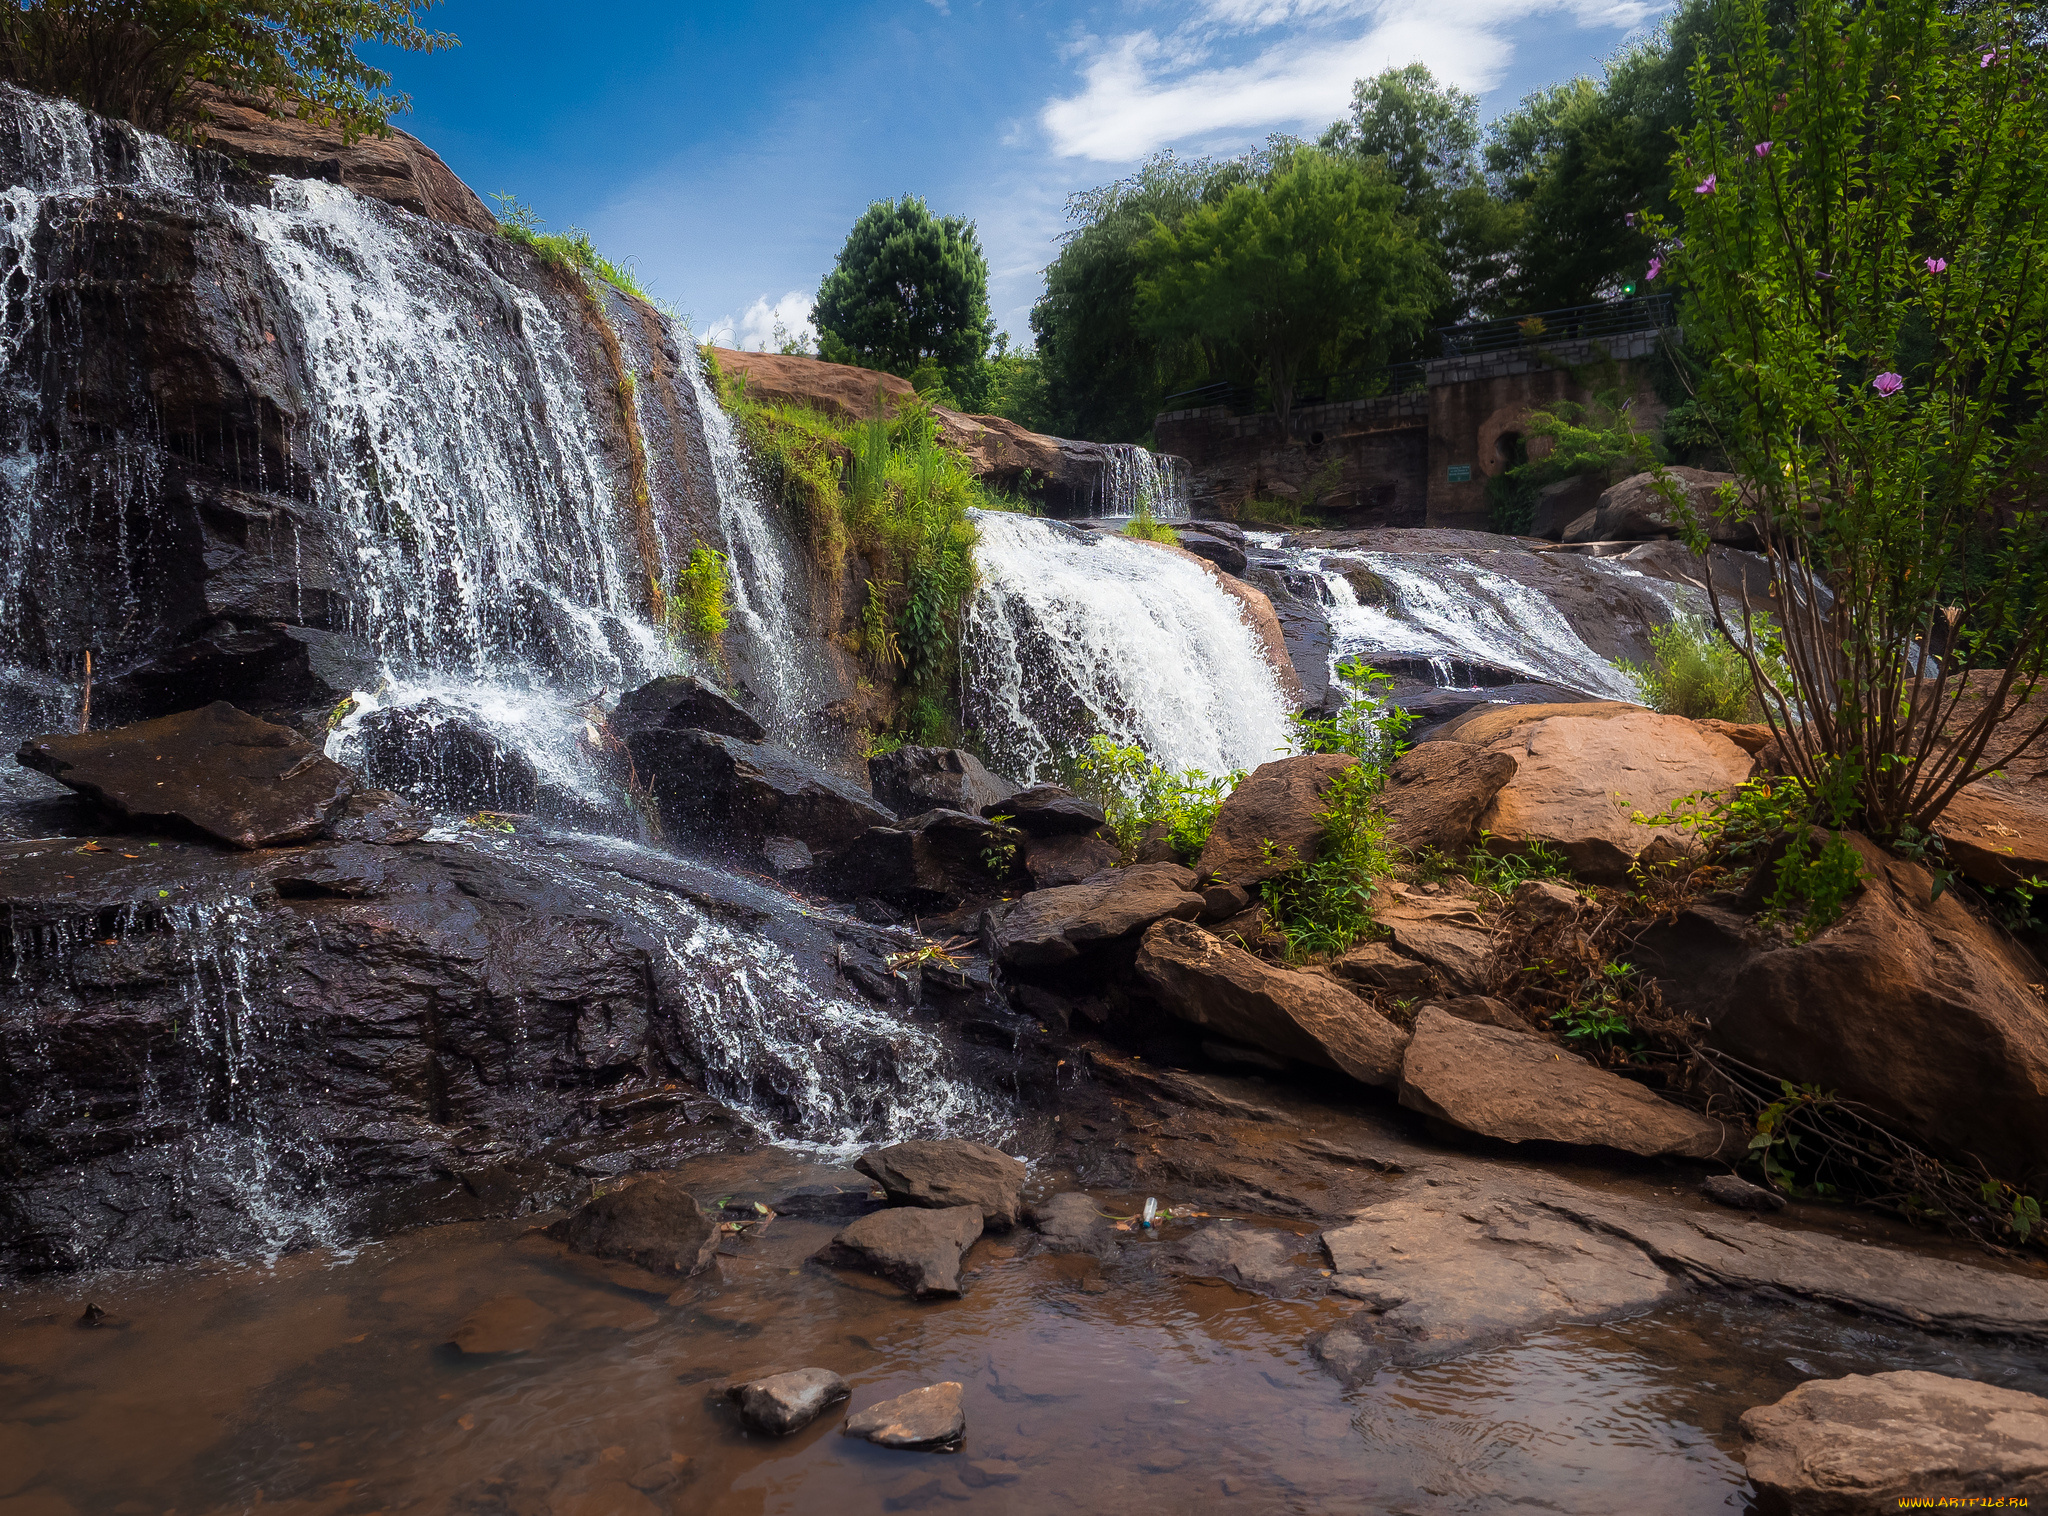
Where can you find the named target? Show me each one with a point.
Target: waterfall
(1133, 477)
(1070, 634)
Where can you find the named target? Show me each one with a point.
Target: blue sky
(726, 149)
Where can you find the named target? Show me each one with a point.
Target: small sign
(1459, 473)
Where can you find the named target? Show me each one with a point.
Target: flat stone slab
(1256, 1259)
(1518, 1087)
(780, 1404)
(917, 1249)
(933, 1417)
(1868, 1442)
(949, 1172)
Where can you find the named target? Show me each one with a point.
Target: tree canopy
(138, 58)
(1314, 258)
(908, 288)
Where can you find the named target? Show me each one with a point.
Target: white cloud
(754, 331)
(1143, 90)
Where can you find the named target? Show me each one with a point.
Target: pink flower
(1887, 385)
(1762, 149)
(1988, 59)
(1937, 265)
(1706, 185)
(1656, 268)
(1629, 219)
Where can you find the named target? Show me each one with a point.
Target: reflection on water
(318, 1386)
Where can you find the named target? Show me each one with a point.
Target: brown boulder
(840, 390)
(933, 1417)
(1460, 952)
(1867, 1443)
(1066, 859)
(948, 1172)
(1050, 927)
(399, 169)
(1914, 1007)
(780, 1404)
(1206, 981)
(1278, 802)
(913, 780)
(1635, 509)
(216, 770)
(1488, 724)
(1579, 783)
(1436, 791)
(917, 1249)
(653, 1224)
(1048, 810)
(1379, 966)
(1518, 1088)
(1996, 833)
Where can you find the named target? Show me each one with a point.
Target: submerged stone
(780, 1404)
(933, 1417)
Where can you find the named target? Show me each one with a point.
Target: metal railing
(1574, 323)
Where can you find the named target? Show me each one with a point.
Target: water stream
(1136, 478)
(1071, 633)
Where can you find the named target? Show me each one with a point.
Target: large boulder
(1579, 783)
(1867, 1443)
(915, 1248)
(1050, 927)
(1205, 980)
(1912, 1006)
(940, 857)
(913, 780)
(1436, 792)
(1635, 510)
(1446, 933)
(1048, 810)
(1273, 820)
(948, 1172)
(1562, 502)
(741, 795)
(1520, 1088)
(1996, 832)
(654, 1224)
(437, 755)
(215, 770)
(1204, 541)
(680, 702)
(1069, 858)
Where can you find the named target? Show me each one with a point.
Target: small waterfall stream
(1070, 634)
(1135, 478)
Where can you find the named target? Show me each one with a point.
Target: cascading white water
(1068, 635)
(766, 581)
(1135, 478)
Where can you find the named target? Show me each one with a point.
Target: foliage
(1863, 242)
(908, 286)
(570, 251)
(1499, 866)
(1695, 671)
(1137, 795)
(1148, 527)
(1326, 906)
(694, 607)
(1597, 1017)
(1015, 388)
(1369, 726)
(138, 59)
(1314, 258)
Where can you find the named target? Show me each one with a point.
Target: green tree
(909, 288)
(138, 58)
(1104, 373)
(1313, 262)
(1864, 244)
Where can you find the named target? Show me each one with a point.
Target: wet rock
(509, 1324)
(378, 816)
(1436, 792)
(1048, 927)
(909, 1246)
(1867, 1443)
(1048, 810)
(683, 702)
(784, 1403)
(1067, 858)
(933, 1417)
(1544, 900)
(1579, 781)
(1518, 1088)
(1252, 1258)
(1740, 1194)
(826, 1202)
(940, 857)
(1913, 1006)
(1204, 980)
(653, 1224)
(1071, 1223)
(1378, 966)
(440, 756)
(736, 794)
(948, 1172)
(913, 780)
(215, 770)
(1279, 803)
(259, 665)
(1225, 554)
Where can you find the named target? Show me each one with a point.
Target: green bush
(1148, 527)
(1136, 795)
(1695, 671)
(1326, 906)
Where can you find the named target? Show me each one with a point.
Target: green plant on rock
(1598, 437)
(1137, 795)
(1695, 671)
(1148, 527)
(1368, 726)
(694, 609)
(1326, 906)
(1597, 1016)
(1498, 864)
(570, 251)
